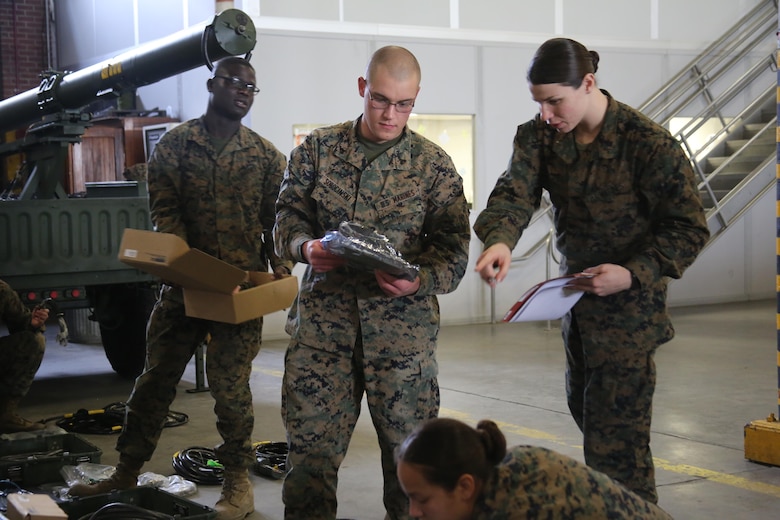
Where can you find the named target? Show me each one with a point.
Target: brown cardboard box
(208, 282)
(25, 506)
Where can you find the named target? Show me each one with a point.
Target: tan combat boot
(237, 499)
(125, 477)
(12, 422)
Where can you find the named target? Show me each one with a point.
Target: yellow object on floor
(762, 441)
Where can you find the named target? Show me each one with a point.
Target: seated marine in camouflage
(21, 353)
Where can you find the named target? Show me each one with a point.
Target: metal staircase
(726, 98)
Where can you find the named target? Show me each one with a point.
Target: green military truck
(63, 246)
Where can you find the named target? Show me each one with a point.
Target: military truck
(63, 246)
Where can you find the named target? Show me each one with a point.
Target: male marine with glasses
(213, 182)
(357, 332)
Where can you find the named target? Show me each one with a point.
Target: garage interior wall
(473, 54)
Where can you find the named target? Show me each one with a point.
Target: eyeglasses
(239, 84)
(382, 103)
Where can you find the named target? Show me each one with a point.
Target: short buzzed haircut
(398, 61)
(232, 60)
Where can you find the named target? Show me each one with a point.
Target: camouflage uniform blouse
(219, 202)
(413, 195)
(628, 198)
(13, 312)
(533, 482)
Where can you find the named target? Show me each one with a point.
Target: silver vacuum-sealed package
(367, 249)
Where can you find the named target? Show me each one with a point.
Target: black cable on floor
(270, 459)
(200, 465)
(107, 420)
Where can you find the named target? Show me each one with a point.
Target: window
(454, 133)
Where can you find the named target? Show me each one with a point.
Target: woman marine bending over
(452, 471)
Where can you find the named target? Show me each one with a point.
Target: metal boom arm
(231, 33)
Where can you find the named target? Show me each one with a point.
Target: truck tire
(122, 310)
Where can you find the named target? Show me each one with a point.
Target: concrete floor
(717, 375)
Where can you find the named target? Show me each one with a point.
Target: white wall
(473, 60)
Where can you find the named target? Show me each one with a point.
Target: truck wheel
(122, 310)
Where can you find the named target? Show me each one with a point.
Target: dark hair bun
(493, 441)
(594, 56)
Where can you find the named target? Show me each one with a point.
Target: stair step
(706, 200)
(761, 146)
(726, 180)
(740, 163)
(752, 129)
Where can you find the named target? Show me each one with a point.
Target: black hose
(107, 420)
(200, 465)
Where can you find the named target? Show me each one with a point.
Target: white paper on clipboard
(548, 300)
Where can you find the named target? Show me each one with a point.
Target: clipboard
(547, 300)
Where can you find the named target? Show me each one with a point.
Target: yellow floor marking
(269, 372)
(682, 469)
(721, 478)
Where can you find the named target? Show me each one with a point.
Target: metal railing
(547, 242)
(706, 91)
(700, 77)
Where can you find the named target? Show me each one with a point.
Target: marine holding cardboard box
(212, 182)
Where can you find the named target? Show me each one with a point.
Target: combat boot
(125, 477)
(237, 499)
(12, 422)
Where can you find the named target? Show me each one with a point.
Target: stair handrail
(547, 242)
(713, 174)
(701, 80)
(763, 13)
(716, 210)
(699, 119)
(545, 209)
(713, 107)
(735, 122)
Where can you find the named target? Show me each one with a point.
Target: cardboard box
(25, 506)
(207, 282)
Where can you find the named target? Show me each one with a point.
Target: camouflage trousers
(21, 354)
(172, 339)
(321, 399)
(612, 405)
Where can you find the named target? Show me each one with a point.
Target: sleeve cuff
(296, 249)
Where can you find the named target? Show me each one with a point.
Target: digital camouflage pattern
(172, 339)
(347, 336)
(629, 198)
(21, 351)
(221, 203)
(536, 483)
(618, 394)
